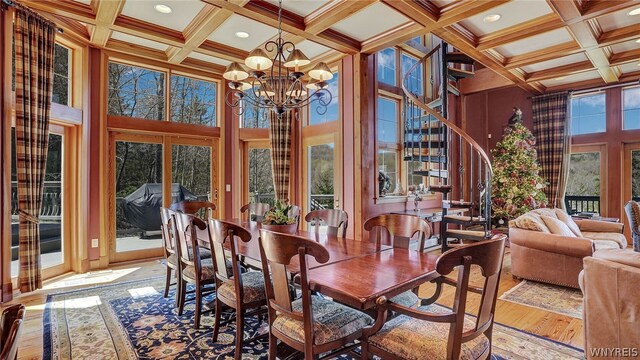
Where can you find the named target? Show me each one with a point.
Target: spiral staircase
(452, 162)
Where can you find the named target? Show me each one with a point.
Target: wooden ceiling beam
(106, 14)
(521, 31)
(66, 8)
(222, 51)
(395, 36)
(559, 71)
(148, 31)
(596, 8)
(615, 36)
(332, 13)
(550, 53)
(625, 57)
(263, 12)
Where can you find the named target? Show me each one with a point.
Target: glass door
(322, 185)
(192, 171)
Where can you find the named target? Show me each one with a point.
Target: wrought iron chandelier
(276, 83)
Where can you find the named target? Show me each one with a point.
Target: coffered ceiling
(541, 45)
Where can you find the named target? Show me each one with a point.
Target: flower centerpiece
(277, 219)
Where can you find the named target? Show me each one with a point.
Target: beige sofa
(611, 312)
(548, 246)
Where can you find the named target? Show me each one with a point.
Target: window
(321, 178)
(415, 81)
(588, 114)
(191, 168)
(583, 186)
(61, 75)
(388, 148)
(388, 165)
(387, 120)
(253, 116)
(260, 176)
(631, 108)
(414, 180)
(333, 108)
(193, 101)
(387, 66)
(416, 41)
(635, 175)
(136, 92)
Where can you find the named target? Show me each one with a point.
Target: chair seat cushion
(618, 239)
(406, 299)
(414, 339)
(173, 260)
(253, 287)
(332, 321)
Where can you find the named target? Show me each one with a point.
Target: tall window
(583, 186)
(631, 108)
(136, 92)
(414, 180)
(388, 148)
(253, 116)
(588, 114)
(415, 82)
(193, 101)
(387, 66)
(191, 168)
(333, 111)
(61, 75)
(260, 176)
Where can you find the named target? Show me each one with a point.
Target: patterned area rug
(558, 299)
(133, 321)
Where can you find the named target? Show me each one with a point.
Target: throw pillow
(544, 211)
(529, 222)
(565, 218)
(557, 227)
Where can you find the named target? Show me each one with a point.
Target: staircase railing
(456, 165)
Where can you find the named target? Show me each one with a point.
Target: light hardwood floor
(547, 324)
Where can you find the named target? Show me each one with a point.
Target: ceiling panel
(138, 41)
(312, 49)
(181, 15)
(442, 3)
(360, 25)
(207, 58)
(538, 42)
(301, 7)
(625, 46)
(88, 2)
(555, 63)
(618, 19)
(589, 75)
(630, 67)
(512, 13)
(258, 33)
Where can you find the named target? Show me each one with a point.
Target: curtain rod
(14, 4)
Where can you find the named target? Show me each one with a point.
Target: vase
(284, 229)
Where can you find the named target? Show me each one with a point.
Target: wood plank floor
(544, 323)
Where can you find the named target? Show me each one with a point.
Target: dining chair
(436, 332)
(170, 251)
(10, 331)
(203, 209)
(256, 211)
(400, 229)
(241, 291)
(311, 324)
(335, 220)
(193, 268)
(295, 212)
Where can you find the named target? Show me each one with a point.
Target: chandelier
(277, 83)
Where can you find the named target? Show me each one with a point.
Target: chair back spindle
(335, 220)
(202, 209)
(255, 211)
(400, 228)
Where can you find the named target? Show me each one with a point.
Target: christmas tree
(516, 184)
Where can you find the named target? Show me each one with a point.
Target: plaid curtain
(551, 124)
(34, 46)
(280, 137)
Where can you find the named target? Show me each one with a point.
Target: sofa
(611, 312)
(547, 245)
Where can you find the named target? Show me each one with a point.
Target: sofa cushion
(604, 245)
(619, 239)
(557, 227)
(565, 218)
(529, 221)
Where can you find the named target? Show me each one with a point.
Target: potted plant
(277, 219)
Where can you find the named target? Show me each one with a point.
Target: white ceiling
(88, 2)
(312, 49)
(371, 21)
(513, 13)
(618, 19)
(258, 33)
(575, 58)
(301, 7)
(625, 46)
(630, 67)
(138, 41)
(207, 58)
(183, 12)
(534, 43)
(588, 75)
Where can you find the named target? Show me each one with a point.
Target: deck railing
(51, 203)
(582, 203)
(318, 201)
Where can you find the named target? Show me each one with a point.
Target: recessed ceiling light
(162, 8)
(560, 78)
(492, 18)
(635, 12)
(242, 34)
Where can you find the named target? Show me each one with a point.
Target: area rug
(134, 321)
(558, 299)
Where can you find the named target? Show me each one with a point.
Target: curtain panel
(280, 138)
(551, 126)
(34, 46)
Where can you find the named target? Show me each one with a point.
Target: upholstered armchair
(611, 302)
(548, 246)
(633, 215)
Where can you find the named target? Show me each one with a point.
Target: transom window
(136, 92)
(61, 75)
(193, 101)
(588, 114)
(631, 108)
(387, 66)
